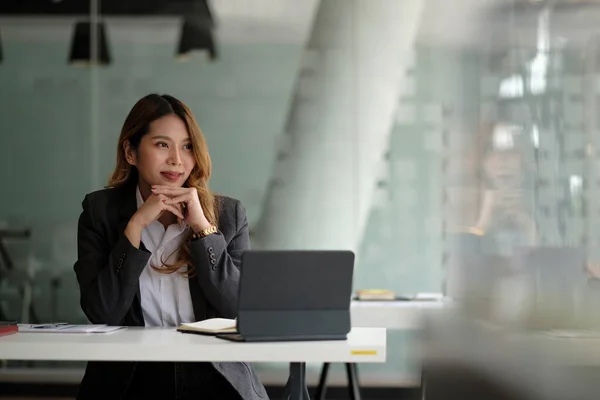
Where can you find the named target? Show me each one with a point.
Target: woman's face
(165, 155)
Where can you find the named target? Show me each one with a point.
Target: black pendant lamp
(81, 50)
(196, 36)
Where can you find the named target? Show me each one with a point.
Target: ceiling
(237, 21)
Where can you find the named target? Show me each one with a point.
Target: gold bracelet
(204, 232)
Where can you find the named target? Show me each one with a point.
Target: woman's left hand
(188, 197)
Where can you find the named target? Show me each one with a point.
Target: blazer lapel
(128, 208)
(128, 205)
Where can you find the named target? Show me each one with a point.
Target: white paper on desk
(68, 328)
(429, 297)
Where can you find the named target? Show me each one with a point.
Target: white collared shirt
(166, 299)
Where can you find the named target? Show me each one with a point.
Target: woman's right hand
(149, 212)
(153, 208)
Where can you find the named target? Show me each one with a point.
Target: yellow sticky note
(363, 352)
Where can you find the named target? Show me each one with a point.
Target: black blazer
(108, 270)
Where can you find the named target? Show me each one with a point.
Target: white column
(339, 124)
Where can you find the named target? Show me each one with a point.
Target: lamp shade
(81, 50)
(196, 36)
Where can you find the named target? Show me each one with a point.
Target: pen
(44, 326)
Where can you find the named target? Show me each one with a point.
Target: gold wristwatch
(204, 232)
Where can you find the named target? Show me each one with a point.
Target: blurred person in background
(480, 264)
(505, 217)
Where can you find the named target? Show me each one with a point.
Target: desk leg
(353, 385)
(322, 388)
(296, 387)
(423, 393)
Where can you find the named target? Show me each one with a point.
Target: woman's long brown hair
(137, 124)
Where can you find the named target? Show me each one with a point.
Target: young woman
(505, 214)
(158, 248)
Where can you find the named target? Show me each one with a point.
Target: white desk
(155, 344)
(397, 315)
(150, 344)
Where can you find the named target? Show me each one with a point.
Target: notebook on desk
(293, 295)
(212, 326)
